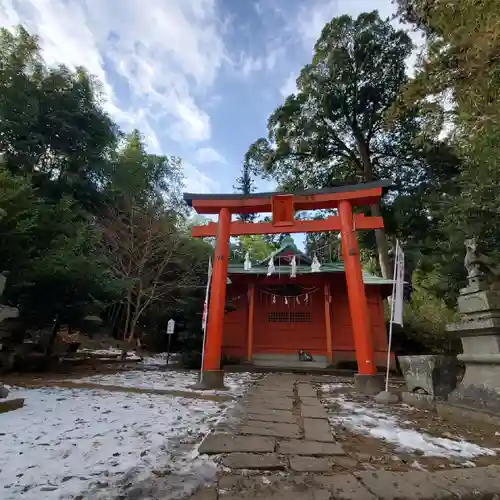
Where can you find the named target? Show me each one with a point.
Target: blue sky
(197, 77)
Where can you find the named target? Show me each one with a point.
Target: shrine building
(271, 317)
(332, 312)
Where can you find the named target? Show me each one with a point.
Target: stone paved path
(282, 447)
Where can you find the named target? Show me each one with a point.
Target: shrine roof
(288, 244)
(331, 267)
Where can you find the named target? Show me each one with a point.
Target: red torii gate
(283, 207)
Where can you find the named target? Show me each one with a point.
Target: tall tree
(245, 186)
(334, 129)
(460, 66)
(52, 125)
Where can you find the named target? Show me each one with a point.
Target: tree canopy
(90, 221)
(335, 128)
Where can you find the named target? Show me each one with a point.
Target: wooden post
(251, 305)
(356, 290)
(211, 361)
(328, 325)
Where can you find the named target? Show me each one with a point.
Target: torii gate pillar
(283, 207)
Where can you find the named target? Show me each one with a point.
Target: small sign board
(170, 326)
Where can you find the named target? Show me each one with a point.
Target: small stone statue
(480, 266)
(305, 356)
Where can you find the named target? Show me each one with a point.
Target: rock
(11, 404)
(4, 392)
(386, 397)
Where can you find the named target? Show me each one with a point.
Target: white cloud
(265, 62)
(312, 18)
(209, 155)
(290, 85)
(167, 54)
(196, 181)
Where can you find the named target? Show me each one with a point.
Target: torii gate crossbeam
(283, 207)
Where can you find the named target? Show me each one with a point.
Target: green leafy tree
(334, 128)
(245, 186)
(52, 125)
(460, 66)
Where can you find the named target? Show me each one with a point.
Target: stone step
(288, 361)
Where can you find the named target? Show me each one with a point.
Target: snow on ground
(237, 383)
(381, 425)
(111, 353)
(67, 442)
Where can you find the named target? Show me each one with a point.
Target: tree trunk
(53, 334)
(382, 247)
(380, 237)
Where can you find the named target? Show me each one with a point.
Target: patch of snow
(381, 425)
(69, 442)
(468, 464)
(327, 388)
(237, 383)
(159, 360)
(112, 352)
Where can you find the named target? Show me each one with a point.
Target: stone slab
(369, 384)
(226, 443)
(413, 485)
(253, 461)
(423, 401)
(306, 390)
(270, 429)
(463, 414)
(386, 397)
(310, 448)
(11, 404)
(205, 494)
(280, 416)
(309, 401)
(264, 410)
(273, 403)
(344, 487)
(309, 464)
(274, 393)
(313, 412)
(318, 430)
(463, 482)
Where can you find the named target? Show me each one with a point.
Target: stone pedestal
(479, 331)
(210, 380)
(369, 384)
(434, 375)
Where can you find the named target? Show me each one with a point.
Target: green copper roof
(288, 243)
(331, 267)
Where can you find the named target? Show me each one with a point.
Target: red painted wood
(332, 223)
(360, 197)
(282, 338)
